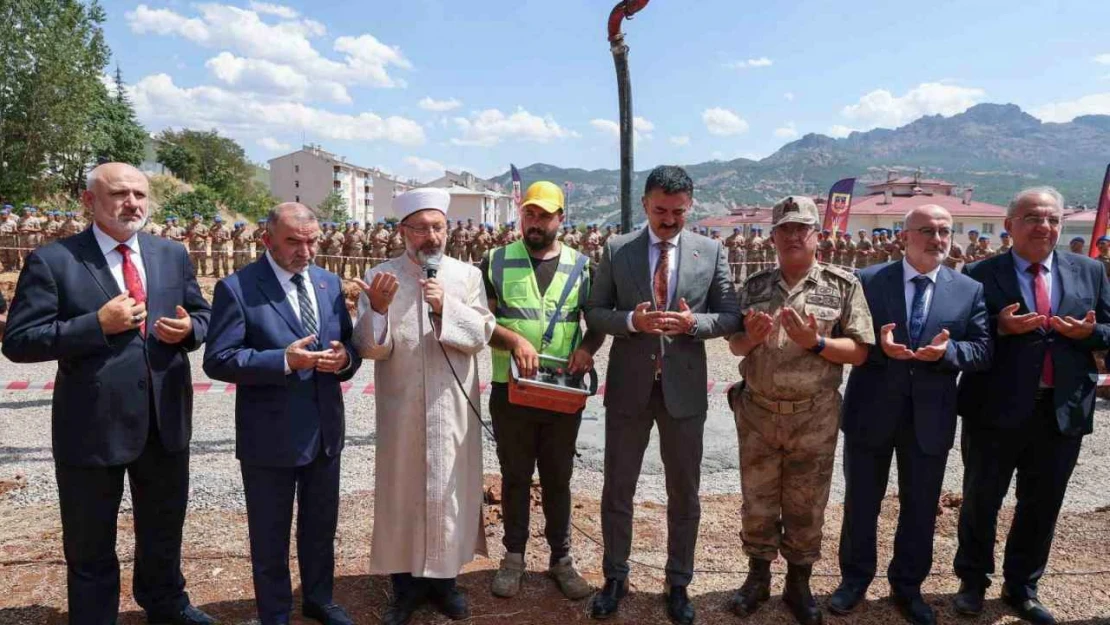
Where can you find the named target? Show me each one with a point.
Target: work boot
(571, 583)
(798, 596)
(755, 590)
(506, 583)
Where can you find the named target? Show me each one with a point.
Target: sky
(417, 86)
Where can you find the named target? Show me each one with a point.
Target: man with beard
(424, 330)
(118, 310)
(537, 286)
(902, 402)
(803, 321)
(661, 292)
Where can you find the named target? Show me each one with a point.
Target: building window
(296, 169)
(296, 184)
(959, 227)
(987, 228)
(296, 198)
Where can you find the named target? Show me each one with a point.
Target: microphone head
(431, 265)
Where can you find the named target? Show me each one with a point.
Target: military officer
(173, 231)
(397, 242)
(379, 244)
(9, 231)
(240, 246)
(803, 321)
(735, 246)
(985, 250)
(1103, 257)
(30, 232)
(864, 250)
(197, 235)
(755, 251)
(221, 247)
(1076, 245)
(825, 247)
(1004, 242)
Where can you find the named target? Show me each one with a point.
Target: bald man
(932, 324)
(119, 310)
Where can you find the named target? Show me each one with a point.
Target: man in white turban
(421, 315)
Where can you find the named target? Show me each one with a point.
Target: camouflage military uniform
(1002, 249)
(221, 249)
(985, 252)
(955, 256)
(379, 245)
(197, 235)
(52, 230)
(880, 251)
(1104, 258)
(896, 251)
(152, 228)
(864, 252)
(240, 247)
(396, 244)
(458, 243)
(482, 243)
(735, 246)
(259, 245)
(770, 254)
(572, 239)
(30, 235)
(355, 250)
(787, 412)
(335, 251)
(9, 230)
(70, 227)
(174, 232)
(826, 250)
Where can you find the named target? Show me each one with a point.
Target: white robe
(428, 472)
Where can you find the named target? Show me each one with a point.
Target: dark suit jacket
(1003, 397)
(622, 282)
(280, 420)
(101, 411)
(882, 384)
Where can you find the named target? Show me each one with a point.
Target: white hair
(1025, 194)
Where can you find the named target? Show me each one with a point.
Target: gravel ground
(216, 482)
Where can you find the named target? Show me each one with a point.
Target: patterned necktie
(917, 310)
(659, 285)
(1044, 307)
(132, 281)
(308, 315)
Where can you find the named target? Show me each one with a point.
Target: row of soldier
(23, 233)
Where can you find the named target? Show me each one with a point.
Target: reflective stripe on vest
(521, 309)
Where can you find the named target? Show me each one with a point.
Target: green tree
(116, 136)
(204, 157)
(333, 208)
(52, 53)
(201, 200)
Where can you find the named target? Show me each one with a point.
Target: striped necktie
(308, 315)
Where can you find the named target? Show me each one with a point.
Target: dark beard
(545, 241)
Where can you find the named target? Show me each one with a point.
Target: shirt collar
(1023, 265)
(108, 244)
(655, 240)
(283, 276)
(909, 273)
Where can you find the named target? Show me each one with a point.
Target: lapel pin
(696, 254)
(323, 285)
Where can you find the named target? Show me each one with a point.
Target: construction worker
(556, 285)
(802, 322)
(240, 246)
(197, 236)
(221, 247)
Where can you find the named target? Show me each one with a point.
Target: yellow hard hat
(546, 195)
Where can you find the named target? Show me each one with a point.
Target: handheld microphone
(431, 266)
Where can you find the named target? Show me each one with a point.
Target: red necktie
(1044, 307)
(132, 281)
(659, 287)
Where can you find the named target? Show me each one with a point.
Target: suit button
(142, 385)
(653, 356)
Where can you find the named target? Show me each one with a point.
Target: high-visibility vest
(521, 309)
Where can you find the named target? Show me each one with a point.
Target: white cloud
(423, 166)
(641, 128)
(882, 108)
(439, 106)
(680, 140)
(723, 122)
(789, 95)
(273, 144)
(838, 131)
(267, 78)
(789, 131)
(1095, 104)
(1102, 59)
(750, 63)
(245, 116)
(491, 126)
(366, 61)
(276, 10)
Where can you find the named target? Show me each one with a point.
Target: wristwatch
(820, 346)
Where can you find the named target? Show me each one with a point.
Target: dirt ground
(217, 567)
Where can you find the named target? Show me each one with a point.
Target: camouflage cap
(794, 209)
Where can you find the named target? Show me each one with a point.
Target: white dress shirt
(285, 278)
(908, 274)
(653, 259)
(108, 247)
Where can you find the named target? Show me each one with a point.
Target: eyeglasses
(1036, 220)
(423, 232)
(929, 233)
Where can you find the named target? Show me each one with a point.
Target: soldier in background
(971, 248)
(240, 246)
(483, 242)
(458, 243)
(845, 250)
(864, 250)
(397, 241)
(52, 229)
(70, 226)
(379, 244)
(591, 245)
(81, 222)
(985, 250)
(9, 239)
(1103, 244)
(1004, 244)
(30, 232)
(825, 247)
(256, 237)
(770, 254)
(221, 248)
(335, 248)
(152, 228)
(713, 234)
(355, 251)
(755, 252)
(897, 247)
(172, 231)
(1076, 245)
(573, 238)
(345, 253)
(955, 256)
(605, 235)
(803, 321)
(197, 236)
(735, 246)
(880, 246)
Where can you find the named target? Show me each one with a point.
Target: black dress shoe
(846, 598)
(969, 599)
(1029, 609)
(402, 607)
(679, 608)
(189, 615)
(914, 609)
(330, 614)
(608, 600)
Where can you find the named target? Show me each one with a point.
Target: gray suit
(677, 402)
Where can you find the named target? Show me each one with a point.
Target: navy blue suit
(122, 404)
(289, 429)
(909, 408)
(1010, 425)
